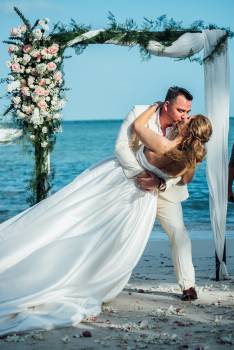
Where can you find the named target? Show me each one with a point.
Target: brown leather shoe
(189, 294)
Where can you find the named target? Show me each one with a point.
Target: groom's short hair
(174, 91)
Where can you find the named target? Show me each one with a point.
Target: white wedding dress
(63, 257)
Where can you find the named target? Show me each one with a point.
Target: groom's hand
(147, 181)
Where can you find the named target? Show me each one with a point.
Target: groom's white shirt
(127, 159)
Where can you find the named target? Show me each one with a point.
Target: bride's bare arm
(157, 143)
(187, 176)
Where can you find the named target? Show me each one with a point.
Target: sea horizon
(106, 119)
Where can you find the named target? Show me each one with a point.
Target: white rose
(41, 68)
(35, 98)
(32, 137)
(20, 114)
(60, 104)
(36, 118)
(58, 60)
(47, 98)
(15, 58)
(16, 100)
(26, 58)
(44, 144)
(37, 34)
(31, 80)
(44, 113)
(44, 129)
(56, 116)
(15, 85)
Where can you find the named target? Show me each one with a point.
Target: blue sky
(107, 80)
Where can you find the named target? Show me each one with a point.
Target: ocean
(80, 144)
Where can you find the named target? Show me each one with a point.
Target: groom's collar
(157, 120)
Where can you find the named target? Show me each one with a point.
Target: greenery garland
(162, 30)
(35, 84)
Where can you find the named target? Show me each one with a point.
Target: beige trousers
(170, 216)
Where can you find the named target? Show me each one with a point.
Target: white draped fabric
(63, 257)
(9, 134)
(217, 104)
(217, 109)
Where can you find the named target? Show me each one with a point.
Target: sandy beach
(149, 314)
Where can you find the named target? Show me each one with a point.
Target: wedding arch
(36, 90)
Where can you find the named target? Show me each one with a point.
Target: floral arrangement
(35, 88)
(35, 81)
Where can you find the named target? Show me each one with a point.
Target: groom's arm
(123, 151)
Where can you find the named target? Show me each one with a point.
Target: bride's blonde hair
(134, 141)
(192, 148)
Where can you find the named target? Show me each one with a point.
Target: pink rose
(57, 76)
(15, 67)
(44, 51)
(27, 48)
(42, 104)
(39, 91)
(53, 50)
(36, 54)
(51, 66)
(25, 91)
(12, 49)
(27, 109)
(46, 92)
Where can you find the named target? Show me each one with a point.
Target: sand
(148, 313)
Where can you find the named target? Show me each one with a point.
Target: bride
(65, 256)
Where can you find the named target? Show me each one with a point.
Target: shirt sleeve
(123, 151)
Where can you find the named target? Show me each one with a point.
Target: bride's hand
(156, 105)
(147, 181)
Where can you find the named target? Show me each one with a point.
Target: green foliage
(24, 19)
(162, 30)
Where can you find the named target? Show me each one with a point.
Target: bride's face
(182, 126)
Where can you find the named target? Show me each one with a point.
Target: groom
(175, 108)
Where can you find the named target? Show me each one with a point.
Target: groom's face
(178, 109)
